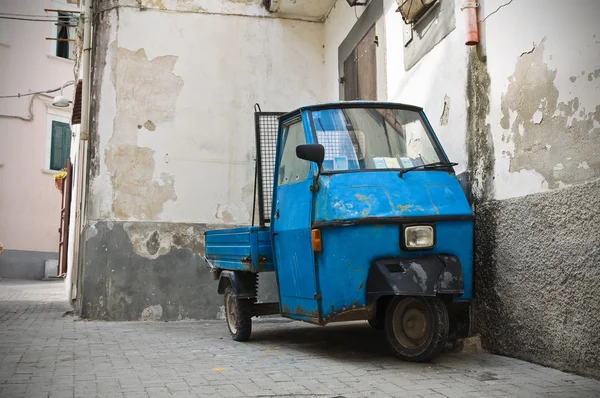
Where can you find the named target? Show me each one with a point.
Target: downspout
(82, 151)
(85, 71)
(469, 9)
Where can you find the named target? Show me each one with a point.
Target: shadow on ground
(357, 339)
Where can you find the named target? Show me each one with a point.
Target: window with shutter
(60, 146)
(360, 70)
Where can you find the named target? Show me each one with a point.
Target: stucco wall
(544, 97)
(173, 141)
(175, 111)
(538, 277)
(29, 201)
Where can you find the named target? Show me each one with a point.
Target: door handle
(277, 214)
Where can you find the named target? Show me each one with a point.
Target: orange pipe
(469, 9)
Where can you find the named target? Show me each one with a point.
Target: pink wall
(29, 202)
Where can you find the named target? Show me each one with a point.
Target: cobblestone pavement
(45, 353)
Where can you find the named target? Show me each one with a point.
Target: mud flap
(420, 276)
(242, 283)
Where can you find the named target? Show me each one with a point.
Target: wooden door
(360, 70)
(64, 220)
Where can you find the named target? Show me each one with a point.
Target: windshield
(374, 138)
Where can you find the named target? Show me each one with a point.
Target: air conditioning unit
(413, 10)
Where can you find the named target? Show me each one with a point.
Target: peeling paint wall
(175, 126)
(544, 95)
(558, 140)
(147, 90)
(172, 144)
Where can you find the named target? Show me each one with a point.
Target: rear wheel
(238, 313)
(416, 328)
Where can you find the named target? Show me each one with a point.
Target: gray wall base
(151, 271)
(537, 278)
(24, 264)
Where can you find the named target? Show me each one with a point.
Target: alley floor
(46, 352)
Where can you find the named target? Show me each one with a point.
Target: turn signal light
(317, 242)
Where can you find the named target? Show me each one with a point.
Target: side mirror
(312, 153)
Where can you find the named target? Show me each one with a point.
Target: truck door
(291, 223)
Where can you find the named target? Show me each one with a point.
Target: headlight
(419, 237)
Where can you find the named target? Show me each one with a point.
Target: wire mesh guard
(266, 148)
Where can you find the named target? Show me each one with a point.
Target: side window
(292, 169)
(60, 148)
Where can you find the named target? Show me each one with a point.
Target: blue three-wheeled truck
(361, 218)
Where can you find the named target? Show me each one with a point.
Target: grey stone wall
(24, 264)
(537, 278)
(151, 271)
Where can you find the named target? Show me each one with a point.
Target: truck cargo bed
(240, 249)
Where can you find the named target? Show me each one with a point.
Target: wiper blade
(436, 165)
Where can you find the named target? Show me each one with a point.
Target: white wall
(176, 122)
(571, 38)
(196, 79)
(441, 72)
(29, 201)
(570, 34)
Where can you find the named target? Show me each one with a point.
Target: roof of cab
(350, 104)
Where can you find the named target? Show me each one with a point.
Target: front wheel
(238, 313)
(416, 328)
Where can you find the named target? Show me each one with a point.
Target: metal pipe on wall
(85, 71)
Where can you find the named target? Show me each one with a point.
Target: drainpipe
(83, 148)
(469, 9)
(85, 71)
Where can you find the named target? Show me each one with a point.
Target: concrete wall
(25, 264)
(172, 143)
(29, 201)
(520, 113)
(538, 278)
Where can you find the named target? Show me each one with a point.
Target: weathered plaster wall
(151, 271)
(544, 94)
(436, 83)
(172, 144)
(537, 255)
(176, 119)
(538, 278)
(520, 112)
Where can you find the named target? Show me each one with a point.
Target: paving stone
(46, 354)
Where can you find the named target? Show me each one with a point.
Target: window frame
(66, 7)
(285, 127)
